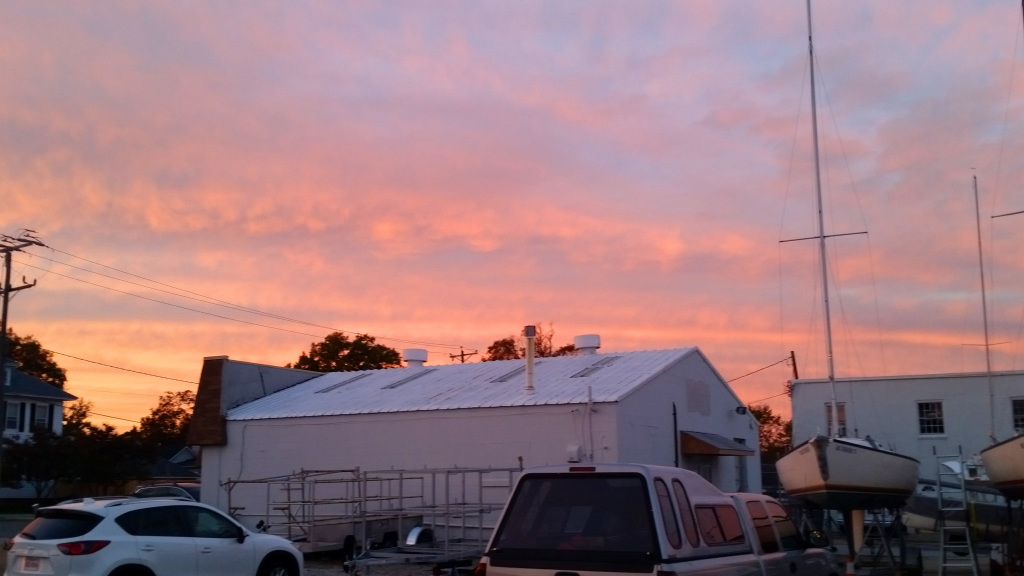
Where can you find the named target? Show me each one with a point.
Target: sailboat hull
(840, 474)
(1004, 464)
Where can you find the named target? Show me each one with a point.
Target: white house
(922, 416)
(31, 403)
(667, 407)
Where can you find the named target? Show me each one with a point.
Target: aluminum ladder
(956, 549)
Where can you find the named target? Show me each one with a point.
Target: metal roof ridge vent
(606, 361)
(587, 344)
(409, 378)
(414, 357)
(342, 383)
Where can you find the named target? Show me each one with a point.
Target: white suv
(145, 537)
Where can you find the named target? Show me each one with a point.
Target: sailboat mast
(984, 316)
(821, 231)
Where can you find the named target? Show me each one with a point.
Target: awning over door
(711, 444)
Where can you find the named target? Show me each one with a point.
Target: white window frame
(841, 412)
(42, 417)
(14, 407)
(933, 424)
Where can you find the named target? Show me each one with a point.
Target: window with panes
(41, 416)
(930, 419)
(11, 415)
(1018, 414)
(841, 411)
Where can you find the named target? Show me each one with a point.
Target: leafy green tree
(513, 348)
(167, 424)
(339, 354)
(33, 359)
(776, 434)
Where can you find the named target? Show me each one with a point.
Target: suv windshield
(60, 524)
(578, 517)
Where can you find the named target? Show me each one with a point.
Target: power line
(182, 293)
(114, 417)
(222, 317)
(768, 398)
(786, 359)
(120, 368)
(109, 391)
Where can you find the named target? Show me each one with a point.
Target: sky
(244, 178)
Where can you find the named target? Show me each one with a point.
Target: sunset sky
(243, 178)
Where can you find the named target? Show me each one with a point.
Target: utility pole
(462, 355)
(9, 244)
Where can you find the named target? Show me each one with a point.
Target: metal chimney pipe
(531, 333)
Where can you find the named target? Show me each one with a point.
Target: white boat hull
(838, 474)
(1004, 463)
(985, 513)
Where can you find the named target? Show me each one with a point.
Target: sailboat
(1003, 461)
(985, 510)
(837, 472)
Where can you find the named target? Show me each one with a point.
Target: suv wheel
(277, 567)
(132, 571)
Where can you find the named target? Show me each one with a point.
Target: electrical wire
(184, 293)
(120, 368)
(114, 417)
(221, 316)
(769, 398)
(786, 359)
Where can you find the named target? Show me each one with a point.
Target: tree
(99, 460)
(39, 461)
(776, 434)
(76, 417)
(33, 359)
(339, 354)
(513, 348)
(167, 424)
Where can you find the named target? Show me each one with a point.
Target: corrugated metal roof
(560, 380)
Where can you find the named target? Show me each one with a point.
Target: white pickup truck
(614, 519)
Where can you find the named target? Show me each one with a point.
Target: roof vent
(587, 343)
(414, 357)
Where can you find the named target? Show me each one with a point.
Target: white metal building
(668, 407)
(922, 416)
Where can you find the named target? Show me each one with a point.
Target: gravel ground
(318, 565)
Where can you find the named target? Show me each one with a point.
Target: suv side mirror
(241, 535)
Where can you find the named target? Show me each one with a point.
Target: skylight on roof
(515, 372)
(408, 379)
(342, 383)
(606, 361)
